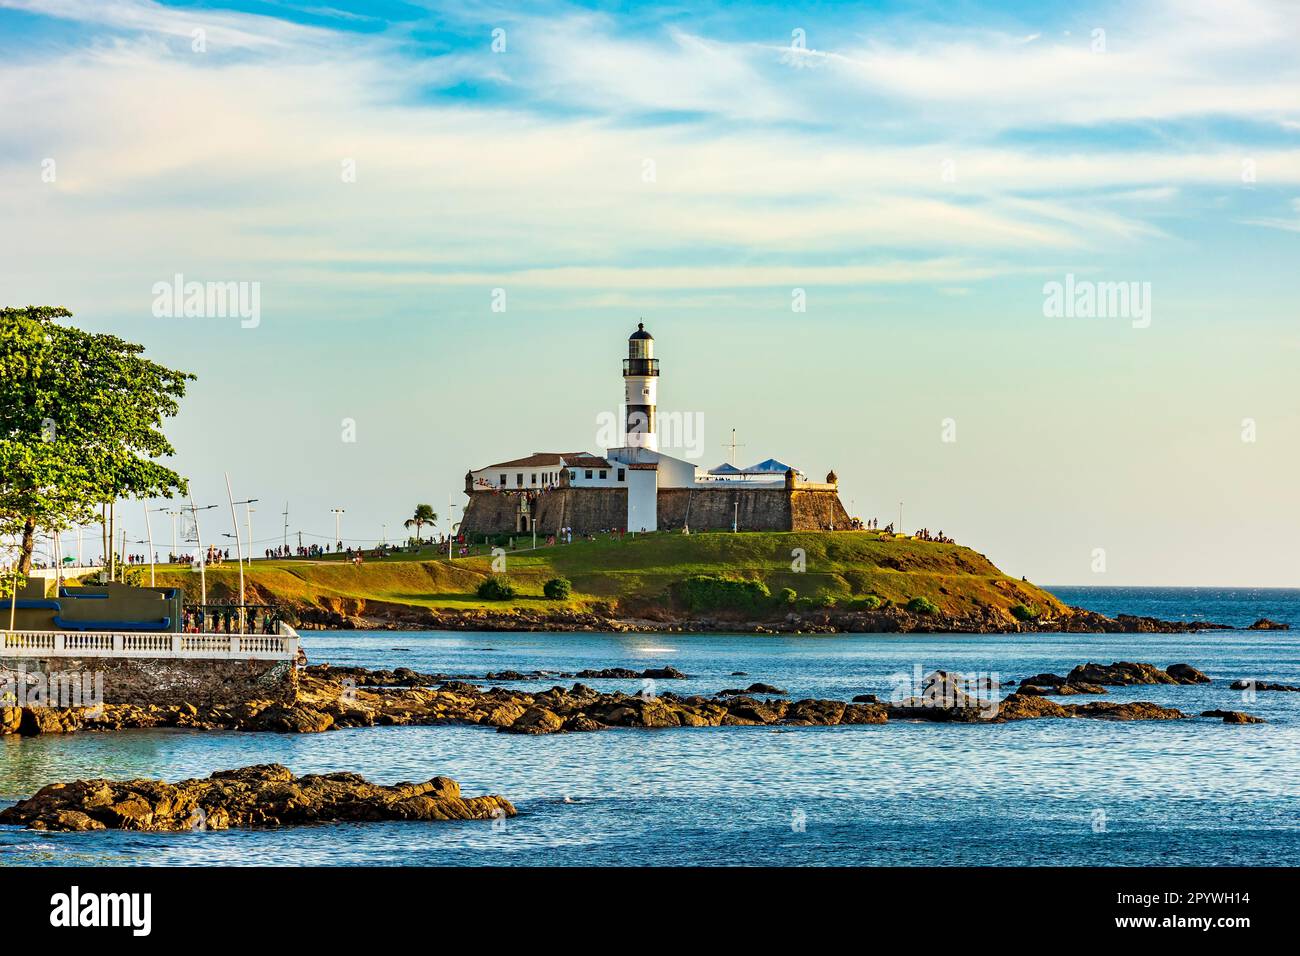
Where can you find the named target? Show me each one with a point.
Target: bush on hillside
(786, 596)
(921, 605)
(1025, 612)
(868, 602)
(496, 588)
(713, 592)
(558, 589)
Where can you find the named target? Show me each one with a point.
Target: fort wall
(805, 507)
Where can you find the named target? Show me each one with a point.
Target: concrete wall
(144, 681)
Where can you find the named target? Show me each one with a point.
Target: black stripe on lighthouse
(640, 419)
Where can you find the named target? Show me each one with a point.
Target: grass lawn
(842, 564)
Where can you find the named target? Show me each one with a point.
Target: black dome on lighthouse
(640, 333)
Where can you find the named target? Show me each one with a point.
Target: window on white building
(622, 474)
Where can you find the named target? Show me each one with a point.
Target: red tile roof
(574, 459)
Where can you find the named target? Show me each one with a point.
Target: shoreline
(888, 620)
(327, 699)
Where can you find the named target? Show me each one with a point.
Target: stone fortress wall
(804, 507)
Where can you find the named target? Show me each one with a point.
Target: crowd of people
(925, 535)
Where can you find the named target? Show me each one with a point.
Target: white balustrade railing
(282, 646)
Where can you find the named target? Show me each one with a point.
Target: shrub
(711, 592)
(921, 605)
(786, 596)
(1024, 612)
(868, 602)
(496, 588)
(557, 589)
(826, 600)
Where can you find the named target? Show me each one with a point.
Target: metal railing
(640, 367)
(282, 646)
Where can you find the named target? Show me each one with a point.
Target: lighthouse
(640, 383)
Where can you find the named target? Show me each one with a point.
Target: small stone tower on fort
(640, 387)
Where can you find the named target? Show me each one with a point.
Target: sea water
(1085, 792)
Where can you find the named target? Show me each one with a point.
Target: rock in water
(1127, 673)
(1263, 685)
(1264, 624)
(266, 795)
(1234, 716)
(1186, 674)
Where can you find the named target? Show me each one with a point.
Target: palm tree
(423, 515)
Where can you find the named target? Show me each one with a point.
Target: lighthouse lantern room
(640, 383)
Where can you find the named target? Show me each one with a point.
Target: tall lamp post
(239, 550)
(148, 528)
(338, 534)
(451, 526)
(175, 516)
(198, 547)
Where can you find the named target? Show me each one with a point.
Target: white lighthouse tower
(640, 386)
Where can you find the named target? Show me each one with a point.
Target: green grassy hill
(633, 574)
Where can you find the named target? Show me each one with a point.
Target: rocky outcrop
(327, 703)
(1186, 674)
(1234, 716)
(1263, 685)
(1056, 685)
(755, 688)
(267, 795)
(622, 616)
(1091, 678)
(1264, 624)
(1127, 673)
(1028, 707)
(405, 677)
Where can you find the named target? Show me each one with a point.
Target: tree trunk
(29, 545)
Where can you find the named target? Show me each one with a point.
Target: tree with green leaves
(81, 417)
(423, 515)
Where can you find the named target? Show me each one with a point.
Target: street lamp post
(175, 515)
(248, 516)
(451, 526)
(148, 530)
(239, 550)
(198, 546)
(338, 535)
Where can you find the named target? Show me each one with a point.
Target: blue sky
(920, 171)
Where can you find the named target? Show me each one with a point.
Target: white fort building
(636, 487)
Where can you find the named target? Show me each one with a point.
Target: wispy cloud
(606, 154)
